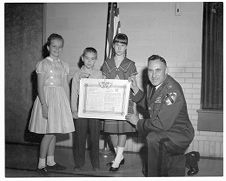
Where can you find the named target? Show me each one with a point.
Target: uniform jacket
(167, 112)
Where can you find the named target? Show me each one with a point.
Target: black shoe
(121, 163)
(56, 167)
(113, 169)
(42, 171)
(193, 171)
(192, 159)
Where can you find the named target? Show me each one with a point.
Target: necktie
(153, 92)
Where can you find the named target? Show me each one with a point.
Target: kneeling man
(168, 122)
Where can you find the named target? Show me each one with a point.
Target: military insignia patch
(158, 100)
(170, 98)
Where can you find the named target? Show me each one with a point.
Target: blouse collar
(124, 64)
(51, 59)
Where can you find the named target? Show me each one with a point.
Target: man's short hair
(157, 57)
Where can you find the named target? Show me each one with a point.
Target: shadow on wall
(29, 136)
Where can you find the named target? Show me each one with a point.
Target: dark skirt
(120, 126)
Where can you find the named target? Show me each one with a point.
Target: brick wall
(189, 76)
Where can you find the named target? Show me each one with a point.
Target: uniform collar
(163, 83)
(156, 87)
(159, 88)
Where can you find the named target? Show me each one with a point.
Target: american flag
(113, 27)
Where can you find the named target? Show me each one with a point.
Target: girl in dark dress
(119, 67)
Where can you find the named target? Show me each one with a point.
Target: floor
(21, 161)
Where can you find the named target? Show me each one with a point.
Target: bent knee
(156, 137)
(152, 137)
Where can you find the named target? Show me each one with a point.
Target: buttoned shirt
(55, 71)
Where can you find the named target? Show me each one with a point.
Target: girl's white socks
(50, 160)
(119, 157)
(41, 163)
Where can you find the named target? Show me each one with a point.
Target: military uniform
(168, 119)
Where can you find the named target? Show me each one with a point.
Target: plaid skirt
(120, 126)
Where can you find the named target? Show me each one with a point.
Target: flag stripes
(113, 27)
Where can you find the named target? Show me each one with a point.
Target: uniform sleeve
(164, 118)
(41, 67)
(139, 97)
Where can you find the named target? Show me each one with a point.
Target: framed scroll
(103, 98)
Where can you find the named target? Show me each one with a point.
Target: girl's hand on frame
(44, 111)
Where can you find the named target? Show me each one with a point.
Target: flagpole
(108, 146)
(107, 30)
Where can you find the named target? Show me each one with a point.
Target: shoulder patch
(170, 98)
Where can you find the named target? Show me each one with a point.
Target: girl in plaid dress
(119, 67)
